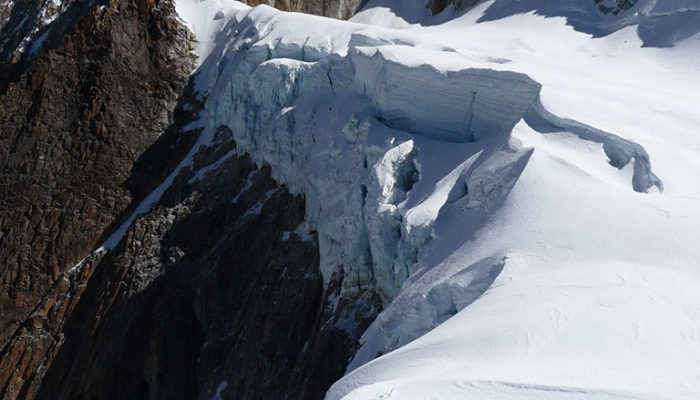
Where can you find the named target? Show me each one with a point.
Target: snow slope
(524, 198)
(659, 23)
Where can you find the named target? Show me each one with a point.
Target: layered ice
(457, 106)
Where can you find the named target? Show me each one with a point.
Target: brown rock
(54, 145)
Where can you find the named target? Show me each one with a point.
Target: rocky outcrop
(342, 9)
(24, 25)
(438, 6)
(217, 290)
(5, 11)
(619, 5)
(73, 123)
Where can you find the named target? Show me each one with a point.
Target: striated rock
(5, 11)
(218, 278)
(73, 123)
(342, 9)
(26, 25)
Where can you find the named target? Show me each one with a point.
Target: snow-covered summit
(497, 180)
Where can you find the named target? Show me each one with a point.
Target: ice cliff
(377, 142)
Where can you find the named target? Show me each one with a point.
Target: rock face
(620, 5)
(342, 9)
(74, 121)
(21, 20)
(5, 11)
(437, 6)
(204, 294)
(212, 292)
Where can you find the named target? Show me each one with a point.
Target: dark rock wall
(73, 122)
(5, 11)
(616, 7)
(342, 9)
(437, 6)
(205, 290)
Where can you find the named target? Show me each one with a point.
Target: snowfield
(521, 189)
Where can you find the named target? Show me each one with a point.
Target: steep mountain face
(5, 11)
(216, 288)
(74, 122)
(88, 129)
(21, 21)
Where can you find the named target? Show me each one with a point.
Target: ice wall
(377, 143)
(457, 106)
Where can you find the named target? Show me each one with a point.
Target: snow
(659, 23)
(46, 14)
(521, 191)
(222, 386)
(206, 138)
(205, 18)
(38, 42)
(300, 231)
(256, 208)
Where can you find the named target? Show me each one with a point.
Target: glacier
(354, 98)
(491, 179)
